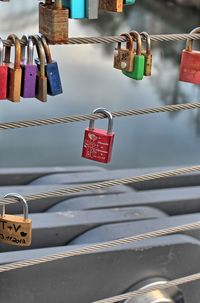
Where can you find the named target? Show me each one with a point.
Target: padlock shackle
(147, 38)
(1, 51)
(58, 4)
(189, 43)
(46, 48)
(136, 36)
(107, 114)
(15, 40)
(21, 200)
(30, 50)
(129, 42)
(41, 54)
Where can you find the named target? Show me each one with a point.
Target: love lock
(16, 230)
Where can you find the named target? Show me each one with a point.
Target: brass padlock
(14, 70)
(147, 54)
(16, 230)
(111, 5)
(41, 80)
(53, 21)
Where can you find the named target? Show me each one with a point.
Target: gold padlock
(53, 21)
(15, 230)
(147, 54)
(14, 70)
(41, 80)
(111, 5)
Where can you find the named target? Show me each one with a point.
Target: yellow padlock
(16, 230)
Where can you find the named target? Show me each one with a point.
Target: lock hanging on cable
(53, 21)
(29, 69)
(3, 73)
(147, 54)
(16, 230)
(123, 57)
(98, 143)
(111, 5)
(139, 61)
(190, 62)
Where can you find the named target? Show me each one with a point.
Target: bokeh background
(90, 81)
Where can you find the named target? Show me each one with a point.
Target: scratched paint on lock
(15, 230)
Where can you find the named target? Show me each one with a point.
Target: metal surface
(71, 222)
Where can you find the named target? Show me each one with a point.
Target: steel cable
(112, 39)
(164, 286)
(79, 118)
(89, 249)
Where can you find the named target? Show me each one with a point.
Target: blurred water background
(89, 81)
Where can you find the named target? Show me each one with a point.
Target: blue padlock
(77, 9)
(54, 85)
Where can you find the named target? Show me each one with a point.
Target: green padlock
(139, 60)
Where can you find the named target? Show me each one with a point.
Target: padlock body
(29, 73)
(98, 145)
(148, 59)
(190, 67)
(138, 68)
(41, 88)
(111, 5)
(77, 9)
(14, 84)
(92, 9)
(15, 230)
(54, 85)
(53, 23)
(3, 81)
(123, 59)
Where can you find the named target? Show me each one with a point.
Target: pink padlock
(190, 62)
(98, 143)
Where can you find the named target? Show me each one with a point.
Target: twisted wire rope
(164, 286)
(112, 39)
(89, 249)
(79, 118)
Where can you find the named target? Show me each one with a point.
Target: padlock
(29, 70)
(54, 86)
(3, 73)
(147, 54)
(190, 62)
(98, 143)
(14, 70)
(76, 8)
(41, 79)
(16, 230)
(123, 57)
(92, 9)
(111, 5)
(138, 65)
(53, 21)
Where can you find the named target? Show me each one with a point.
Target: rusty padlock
(98, 143)
(41, 79)
(190, 62)
(111, 5)
(147, 54)
(16, 230)
(53, 21)
(123, 57)
(14, 70)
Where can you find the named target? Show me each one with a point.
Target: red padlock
(3, 73)
(190, 62)
(98, 143)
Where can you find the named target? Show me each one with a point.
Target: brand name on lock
(16, 230)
